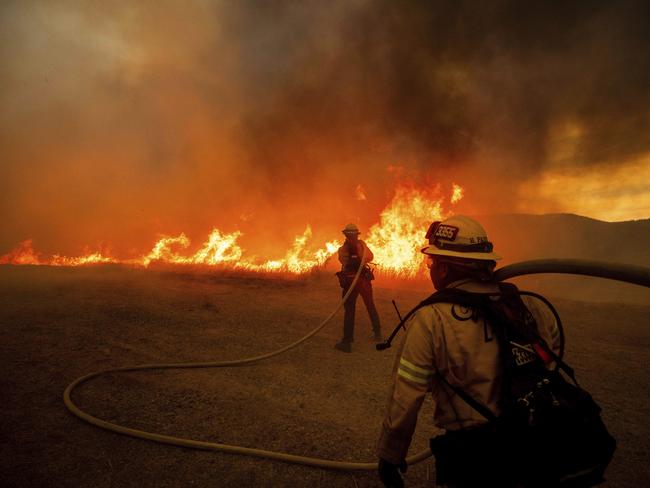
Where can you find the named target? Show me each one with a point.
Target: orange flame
(23, 253)
(396, 238)
(93, 258)
(395, 241)
(216, 250)
(222, 249)
(457, 193)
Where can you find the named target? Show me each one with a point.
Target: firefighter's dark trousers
(363, 288)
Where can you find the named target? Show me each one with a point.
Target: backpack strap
(471, 401)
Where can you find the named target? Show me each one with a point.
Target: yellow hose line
(213, 446)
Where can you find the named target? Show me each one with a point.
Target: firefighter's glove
(389, 473)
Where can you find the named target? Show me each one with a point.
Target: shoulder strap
(467, 398)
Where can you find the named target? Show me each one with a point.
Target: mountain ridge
(519, 237)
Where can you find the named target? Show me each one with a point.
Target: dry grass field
(58, 324)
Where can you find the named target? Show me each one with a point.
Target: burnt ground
(58, 324)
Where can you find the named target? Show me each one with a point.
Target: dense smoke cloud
(123, 120)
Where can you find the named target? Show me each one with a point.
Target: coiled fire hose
(631, 274)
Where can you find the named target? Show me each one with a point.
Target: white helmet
(351, 229)
(460, 237)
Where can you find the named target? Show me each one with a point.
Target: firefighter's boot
(343, 346)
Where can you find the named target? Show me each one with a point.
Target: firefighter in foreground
(350, 254)
(456, 354)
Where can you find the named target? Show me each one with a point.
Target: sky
(122, 121)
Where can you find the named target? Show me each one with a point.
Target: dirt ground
(58, 324)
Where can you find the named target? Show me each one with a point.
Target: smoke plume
(121, 121)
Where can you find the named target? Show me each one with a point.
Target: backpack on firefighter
(346, 275)
(549, 431)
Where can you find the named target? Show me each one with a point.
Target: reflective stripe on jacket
(438, 339)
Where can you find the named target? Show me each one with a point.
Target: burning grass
(394, 240)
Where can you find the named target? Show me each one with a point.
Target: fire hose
(626, 273)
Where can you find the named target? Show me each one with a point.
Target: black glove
(389, 473)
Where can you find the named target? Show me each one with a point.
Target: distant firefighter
(350, 254)
(489, 355)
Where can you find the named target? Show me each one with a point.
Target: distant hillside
(520, 237)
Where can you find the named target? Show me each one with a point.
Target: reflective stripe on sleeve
(414, 373)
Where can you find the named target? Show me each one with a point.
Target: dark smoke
(446, 79)
(122, 120)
